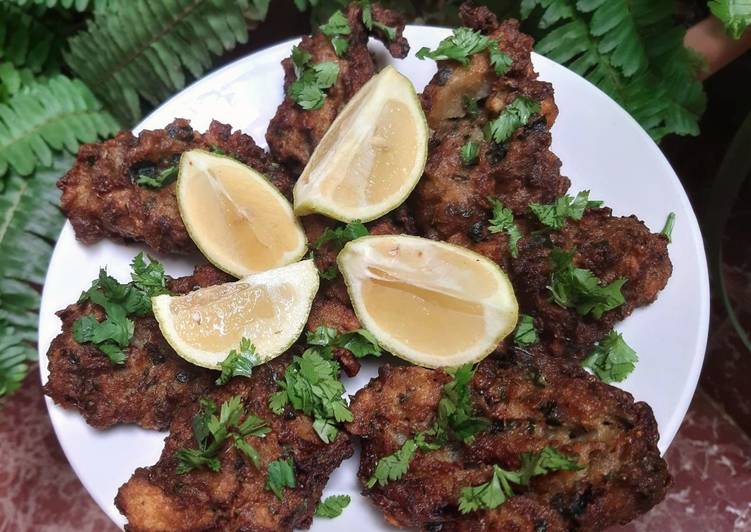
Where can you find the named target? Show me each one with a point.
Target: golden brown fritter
(451, 201)
(102, 200)
(147, 390)
(294, 133)
(531, 402)
(609, 246)
(156, 498)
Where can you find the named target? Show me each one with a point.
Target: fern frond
(13, 79)
(30, 222)
(78, 5)
(734, 14)
(146, 50)
(14, 353)
(32, 41)
(52, 116)
(632, 50)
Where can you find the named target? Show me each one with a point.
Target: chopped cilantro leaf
(211, 432)
(525, 333)
(667, 230)
(335, 28)
(455, 407)
(300, 59)
(393, 466)
(464, 43)
(554, 215)
(341, 235)
(360, 343)
(544, 462)
(471, 106)
(239, 362)
(499, 59)
(513, 116)
(367, 19)
(149, 278)
(163, 178)
(333, 506)
(581, 289)
(469, 153)
(308, 89)
(503, 220)
(323, 336)
(281, 474)
(329, 273)
(612, 360)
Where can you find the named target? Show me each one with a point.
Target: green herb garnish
(163, 178)
(667, 230)
(554, 215)
(455, 408)
(502, 220)
(333, 506)
(281, 474)
(581, 289)
(394, 466)
(336, 27)
(514, 115)
(525, 333)
(367, 19)
(469, 153)
(239, 362)
(341, 235)
(612, 360)
(308, 89)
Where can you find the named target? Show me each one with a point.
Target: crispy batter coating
(102, 200)
(609, 246)
(531, 402)
(451, 201)
(294, 132)
(147, 390)
(156, 498)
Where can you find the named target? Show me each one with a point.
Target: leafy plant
(144, 51)
(734, 14)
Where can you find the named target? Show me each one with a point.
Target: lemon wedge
(431, 303)
(371, 157)
(269, 308)
(238, 220)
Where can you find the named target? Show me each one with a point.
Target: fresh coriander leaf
(110, 335)
(335, 28)
(667, 230)
(83, 328)
(554, 215)
(323, 336)
(308, 89)
(307, 96)
(190, 459)
(388, 31)
(217, 150)
(503, 220)
(163, 178)
(499, 59)
(471, 106)
(326, 74)
(469, 153)
(325, 429)
(455, 407)
(239, 362)
(332, 506)
(542, 463)
(300, 60)
(341, 235)
(114, 352)
(149, 278)
(253, 426)
(248, 450)
(360, 343)
(281, 474)
(393, 466)
(201, 421)
(734, 14)
(278, 401)
(513, 116)
(464, 43)
(580, 289)
(525, 333)
(329, 273)
(489, 495)
(612, 360)
(435, 433)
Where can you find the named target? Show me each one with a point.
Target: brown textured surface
(147, 389)
(101, 199)
(157, 499)
(531, 402)
(294, 133)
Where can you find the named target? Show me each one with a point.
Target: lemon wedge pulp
(371, 157)
(269, 308)
(431, 303)
(238, 220)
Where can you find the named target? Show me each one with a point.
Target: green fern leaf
(734, 14)
(78, 5)
(14, 353)
(148, 50)
(52, 116)
(633, 51)
(30, 222)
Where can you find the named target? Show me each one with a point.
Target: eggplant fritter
(451, 201)
(294, 133)
(609, 246)
(148, 389)
(102, 200)
(531, 401)
(156, 498)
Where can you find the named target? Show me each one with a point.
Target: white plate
(602, 148)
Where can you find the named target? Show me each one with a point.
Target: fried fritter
(531, 401)
(609, 246)
(451, 201)
(148, 389)
(294, 133)
(156, 498)
(102, 200)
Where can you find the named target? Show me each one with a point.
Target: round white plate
(602, 148)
